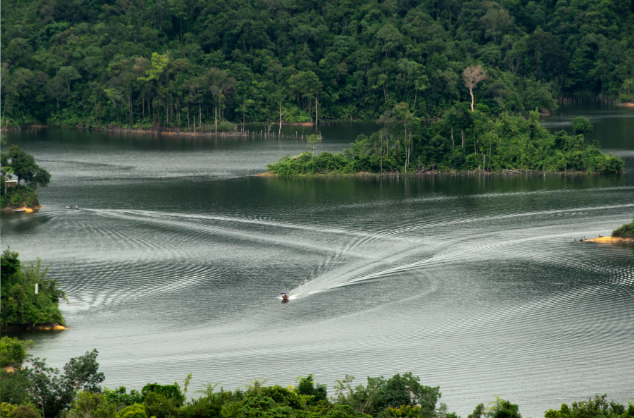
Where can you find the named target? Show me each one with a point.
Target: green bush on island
(39, 391)
(29, 177)
(461, 140)
(624, 231)
(21, 306)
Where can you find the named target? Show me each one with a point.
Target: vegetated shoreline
(53, 326)
(27, 209)
(621, 235)
(206, 131)
(437, 172)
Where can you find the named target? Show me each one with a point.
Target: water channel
(177, 258)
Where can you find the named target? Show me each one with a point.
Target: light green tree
(68, 74)
(312, 142)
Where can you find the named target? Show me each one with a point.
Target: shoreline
(466, 173)
(45, 327)
(161, 130)
(27, 209)
(611, 240)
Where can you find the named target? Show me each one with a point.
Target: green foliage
(15, 386)
(626, 92)
(54, 393)
(158, 65)
(21, 165)
(172, 392)
(499, 408)
(159, 406)
(307, 387)
(20, 196)
(25, 169)
(13, 351)
(120, 398)
(91, 405)
(5, 409)
(625, 230)
(398, 395)
(581, 126)
(597, 407)
(132, 411)
(24, 411)
(312, 142)
(461, 140)
(149, 63)
(21, 307)
(46, 393)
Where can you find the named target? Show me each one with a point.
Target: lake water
(177, 258)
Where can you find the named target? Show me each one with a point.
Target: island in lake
(21, 194)
(29, 299)
(623, 234)
(463, 140)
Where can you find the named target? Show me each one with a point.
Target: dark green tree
(25, 168)
(581, 126)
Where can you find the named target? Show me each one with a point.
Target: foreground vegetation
(461, 140)
(39, 391)
(181, 63)
(30, 176)
(22, 306)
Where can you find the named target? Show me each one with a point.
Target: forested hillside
(179, 62)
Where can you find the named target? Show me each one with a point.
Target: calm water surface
(175, 264)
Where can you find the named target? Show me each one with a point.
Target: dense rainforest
(37, 390)
(187, 63)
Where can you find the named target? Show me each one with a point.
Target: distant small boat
(72, 207)
(285, 297)
(19, 210)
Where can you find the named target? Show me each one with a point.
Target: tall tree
(472, 75)
(220, 84)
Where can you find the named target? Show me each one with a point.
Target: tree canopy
(17, 163)
(22, 307)
(181, 63)
(462, 140)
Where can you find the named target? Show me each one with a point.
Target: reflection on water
(475, 284)
(613, 125)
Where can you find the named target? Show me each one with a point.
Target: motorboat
(285, 297)
(72, 207)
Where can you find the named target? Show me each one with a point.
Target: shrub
(132, 411)
(581, 126)
(159, 406)
(24, 411)
(625, 231)
(13, 351)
